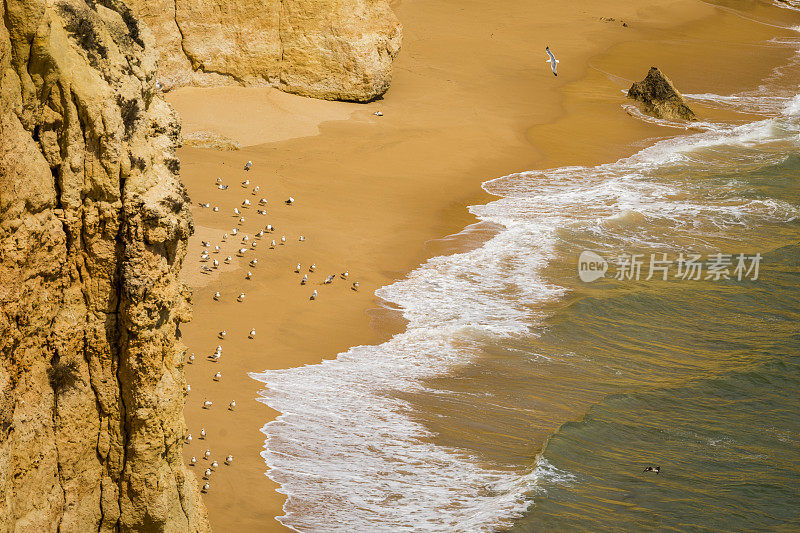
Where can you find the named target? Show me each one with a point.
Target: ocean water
(521, 398)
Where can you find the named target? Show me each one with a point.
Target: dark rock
(658, 97)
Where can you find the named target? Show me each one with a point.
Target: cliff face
(332, 49)
(93, 229)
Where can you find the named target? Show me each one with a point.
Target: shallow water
(523, 398)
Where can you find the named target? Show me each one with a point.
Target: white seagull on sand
(232, 405)
(206, 487)
(248, 165)
(207, 404)
(228, 460)
(553, 61)
(304, 280)
(314, 295)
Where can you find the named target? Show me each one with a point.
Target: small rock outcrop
(330, 49)
(658, 97)
(94, 224)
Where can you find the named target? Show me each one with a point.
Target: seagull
(207, 473)
(245, 183)
(304, 280)
(256, 189)
(553, 61)
(216, 209)
(246, 203)
(254, 244)
(216, 263)
(216, 295)
(219, 180)
(222, 334)
(241, 221)
(245, 239)
(207, 404)
(378, 113)
(263, 201)
(329, 279)
(191, 359)
(188, 388)
(262, 211)
(242, 251)
(214, 464)
(272, 244)
(656, 469)
(270, 227)
(216, 249)
(302, 239)
(222, 187)
(206, 243)
(290, 201)
(218, 376)
(225, 237)
(345, 274)
(229, 460)
(355, 286)
(205, 205)
(236, 210)
(314, 295)
(283, 239)
(297, 269)
(312, 268)
(248, 165)
(260, 233)
(206, 269)
(207, 454)
(203, 433)
(249, 275)
(234, 231)
(216, 357)
(232, 405)
(254, 262)
(188, 438)
(193, 461)
(228, 260)
(252, 333)
(241, 297)
(206, 487)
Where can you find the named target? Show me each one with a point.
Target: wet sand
(472, 99)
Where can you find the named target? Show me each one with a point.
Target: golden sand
(472, 99)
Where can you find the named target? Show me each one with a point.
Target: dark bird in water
(656, 469)
(553, 61)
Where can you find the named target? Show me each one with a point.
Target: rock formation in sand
(658, 97)
(93, 229)
(332, 49)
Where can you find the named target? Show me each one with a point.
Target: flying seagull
(553, 61)
(655, 469)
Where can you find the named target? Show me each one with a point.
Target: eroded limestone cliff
(93, 229)
(332, 49)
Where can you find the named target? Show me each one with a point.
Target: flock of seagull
(248, 244)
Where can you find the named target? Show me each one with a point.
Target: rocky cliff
(659, 97)
(332, 49)
(93, 228)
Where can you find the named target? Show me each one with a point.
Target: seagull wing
(553, 61)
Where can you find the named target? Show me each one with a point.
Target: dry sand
(472, 99)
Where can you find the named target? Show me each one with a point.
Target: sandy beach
(472, 99)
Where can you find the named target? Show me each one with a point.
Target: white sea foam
(346, 450)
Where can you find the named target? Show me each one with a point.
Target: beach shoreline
(371, 190)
